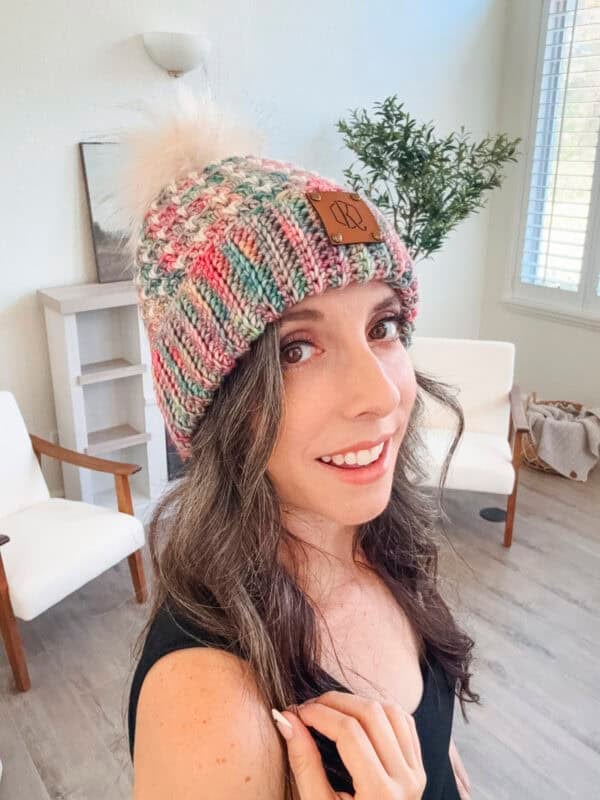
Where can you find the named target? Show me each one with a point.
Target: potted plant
(425, 183)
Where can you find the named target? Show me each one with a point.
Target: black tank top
(433, 716)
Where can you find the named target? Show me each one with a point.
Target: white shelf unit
(103, 391)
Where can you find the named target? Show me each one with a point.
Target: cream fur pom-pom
(183, 139)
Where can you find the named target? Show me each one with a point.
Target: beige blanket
(566, 440)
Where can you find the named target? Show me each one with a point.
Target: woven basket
(529, 456)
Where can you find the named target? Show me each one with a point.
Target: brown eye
(290, 347)
(379, 325)
(289, 350)
(396, 318)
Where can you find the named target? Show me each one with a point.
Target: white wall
(556, 359)
(71, 71)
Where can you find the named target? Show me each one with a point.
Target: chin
(362, 510)
(363, 518)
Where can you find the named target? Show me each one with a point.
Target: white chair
(49, 546)
(488, 455)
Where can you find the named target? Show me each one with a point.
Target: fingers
(377, 743)
(402, 722)
(463, 773)
(353, 744)
(305, 760)
(460, 773)
(387, 726)
(463, 792)
(463, 786)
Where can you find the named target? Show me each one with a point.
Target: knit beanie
(224, 240)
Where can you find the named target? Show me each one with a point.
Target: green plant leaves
(425, 183)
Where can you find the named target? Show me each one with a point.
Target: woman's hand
(460, 773)
(377, 742)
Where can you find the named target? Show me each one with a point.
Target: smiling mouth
(359, 467)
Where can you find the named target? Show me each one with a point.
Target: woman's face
(348, 380)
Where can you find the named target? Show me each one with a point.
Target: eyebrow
(313, 314)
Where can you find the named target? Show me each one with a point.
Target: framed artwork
(101, 163)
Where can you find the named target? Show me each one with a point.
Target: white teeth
(362, 457)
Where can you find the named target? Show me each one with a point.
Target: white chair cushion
(481, 462)
(59, 545)
(21, 480)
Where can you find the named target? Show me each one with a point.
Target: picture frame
(101, 162)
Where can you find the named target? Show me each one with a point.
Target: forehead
(370, 296)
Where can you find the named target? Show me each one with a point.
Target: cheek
(410, 387)
(403, 376)
(295, 431)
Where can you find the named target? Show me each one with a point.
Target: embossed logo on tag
(346, 217)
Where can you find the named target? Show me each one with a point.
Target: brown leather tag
(346, 217)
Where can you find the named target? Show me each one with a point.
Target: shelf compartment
(103, 484)
(107, 440)
(110, 370)
(114, 414)
(108, 334)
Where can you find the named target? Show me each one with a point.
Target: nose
(370, 384)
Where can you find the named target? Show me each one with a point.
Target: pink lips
(362, 475)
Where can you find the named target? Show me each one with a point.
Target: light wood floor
(533, 611)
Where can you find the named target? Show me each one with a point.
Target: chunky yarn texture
(224, 251)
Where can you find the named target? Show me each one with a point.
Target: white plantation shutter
(562, 206)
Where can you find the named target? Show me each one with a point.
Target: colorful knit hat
(224, 243)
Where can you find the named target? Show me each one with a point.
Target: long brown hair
(214, 539)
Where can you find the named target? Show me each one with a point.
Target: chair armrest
(81, 459)
(517, 410)
(3, 539)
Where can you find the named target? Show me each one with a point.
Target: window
(559, 255)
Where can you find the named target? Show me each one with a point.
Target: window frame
(582, 307)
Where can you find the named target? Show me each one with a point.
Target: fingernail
(284, 726)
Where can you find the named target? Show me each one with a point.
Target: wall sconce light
(176, 53)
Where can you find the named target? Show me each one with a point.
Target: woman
(294, 558)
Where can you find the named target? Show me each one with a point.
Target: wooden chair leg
(512, 500)
(136, 566)
(138, 577)
(12, 637)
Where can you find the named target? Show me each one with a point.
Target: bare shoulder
(201, 729)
